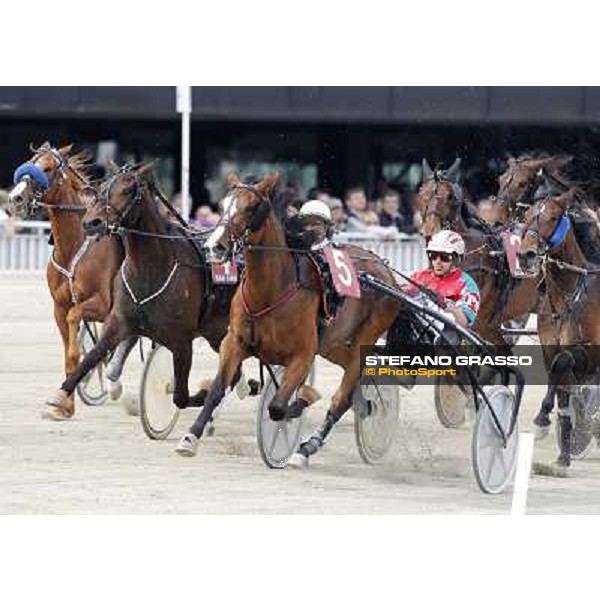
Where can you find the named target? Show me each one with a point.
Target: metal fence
(29, 252)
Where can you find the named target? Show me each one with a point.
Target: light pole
(184, 106)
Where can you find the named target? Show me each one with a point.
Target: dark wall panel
(240, 101)
(134, 101)
(439, 103)
(340, 102)
(535, 103)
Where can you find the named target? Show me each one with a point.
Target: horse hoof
(298, 461)
(56, 413)
(539, 433)
(276, 412)
(210, 430)
(131, 405)
(188, 445)
(550, 470)
(242, 389)
(254, 386)
(115, 389)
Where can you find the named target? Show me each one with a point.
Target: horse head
(246, 208)
(439, 198)
(544, 231)
(119, 201)
(36, 179)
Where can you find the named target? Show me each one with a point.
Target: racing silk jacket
(457, 287)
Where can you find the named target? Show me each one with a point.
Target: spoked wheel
(585, 405)
(277, 440)
(92, 389)
(376, 417)
(493, 463)
(450, 402)
(157, 411)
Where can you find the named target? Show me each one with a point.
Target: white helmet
(447, 241)
(316, 208)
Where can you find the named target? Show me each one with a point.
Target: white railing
(29, 252)
(406, 253)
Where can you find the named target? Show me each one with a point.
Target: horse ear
(453, 172)
(112, 167)
(559, 163)
(268, 184)
(427, 170)
(146, 169)
(564, 200)
(45, 146)
(66, 150)
(233, 179)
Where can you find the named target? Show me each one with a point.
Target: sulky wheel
(92, 389)
(277, 440)
(493, 463)
(157, 411)
(376, 415)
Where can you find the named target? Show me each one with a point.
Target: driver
(316, 223)
(457, 293)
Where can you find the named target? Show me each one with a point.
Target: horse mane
(81, 163)
(587, 233)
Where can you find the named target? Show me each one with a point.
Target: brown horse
(274, 313)
(164, 290)
(80, 275)
(502, 298)
(568, 326)
(517, 187)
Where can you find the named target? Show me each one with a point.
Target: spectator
(204, 218)
(293, 208)
(318, 194)
(390, 215)
(338, 216)
(361, 220)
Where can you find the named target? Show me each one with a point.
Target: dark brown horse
(568, 324)
(502, 298)
(80, 275)
(274, 313)
(517, 187)
(164, 290)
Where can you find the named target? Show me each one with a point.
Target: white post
(525, 453)
(184, 106)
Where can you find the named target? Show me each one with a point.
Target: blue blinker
(560, 233)
(34, 172)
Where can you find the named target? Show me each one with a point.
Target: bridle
(32, 174)
(558, 235)
(455, 200)
(259, 215)
(105, 194)
(526, 196)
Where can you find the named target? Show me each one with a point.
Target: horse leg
(340, 403)
(566, 426)
(542, 420)
(231, 356)
(293, 377)
(63, 410)
(115, 366)
(182, 363)
(112, 334)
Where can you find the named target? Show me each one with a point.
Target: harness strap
(140, 303)
(285, 297)
(70, 274)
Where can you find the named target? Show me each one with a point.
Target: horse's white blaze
(214, 237)
(17, 190)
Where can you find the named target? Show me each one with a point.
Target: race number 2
(512, 245)
(342, 272)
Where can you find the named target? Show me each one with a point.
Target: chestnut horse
(80, 275)
(274, 313)
(568, 325)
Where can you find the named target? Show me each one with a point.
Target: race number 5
(342, 272)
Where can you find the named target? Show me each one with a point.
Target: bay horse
(274, 312)
(569, 328)
(164, 290)
(503, 298)
(80, 274)
(518, 185)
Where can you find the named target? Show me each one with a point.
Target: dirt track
(101, 461)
